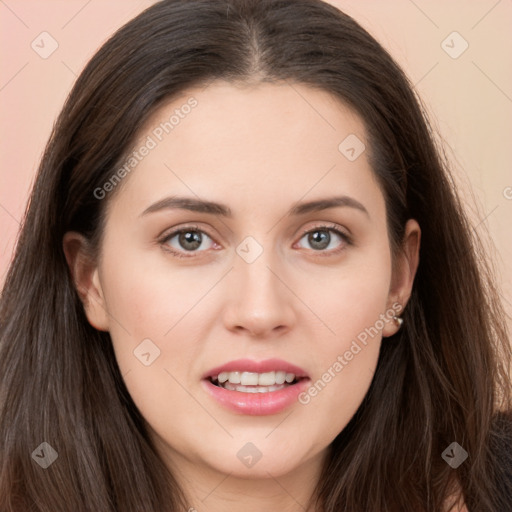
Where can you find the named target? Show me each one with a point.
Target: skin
(259, 149)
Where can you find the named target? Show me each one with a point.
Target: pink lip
(256, 404)
(247, 365)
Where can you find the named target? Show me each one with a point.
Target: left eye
(320, 238)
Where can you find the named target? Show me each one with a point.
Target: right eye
(183, 240)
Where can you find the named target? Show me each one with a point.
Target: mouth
(251, 382)
(257, 388)
(255, 394)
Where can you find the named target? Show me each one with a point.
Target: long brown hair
(443, 378)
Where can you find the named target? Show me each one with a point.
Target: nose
(261, 303)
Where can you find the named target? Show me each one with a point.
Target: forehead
(255, 139)
(273, 116)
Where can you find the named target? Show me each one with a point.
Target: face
(271, 274)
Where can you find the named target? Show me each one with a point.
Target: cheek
(149, 301)
(147, 295)
(354, 307)
(351, 297)
(155, 339)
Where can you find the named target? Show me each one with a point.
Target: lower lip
(256, 404)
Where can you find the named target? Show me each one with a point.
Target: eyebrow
(213, 208)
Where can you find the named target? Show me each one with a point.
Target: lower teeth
(250, 389)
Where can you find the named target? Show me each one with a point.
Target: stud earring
(399, 321)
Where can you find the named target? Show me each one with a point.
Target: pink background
(469, 98)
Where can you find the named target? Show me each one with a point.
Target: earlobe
(393, 324)
(404, 272)
(86, 279)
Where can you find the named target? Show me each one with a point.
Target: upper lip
(248, 365)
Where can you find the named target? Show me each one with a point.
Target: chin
(242, 466)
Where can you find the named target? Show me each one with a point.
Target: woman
(245, 279)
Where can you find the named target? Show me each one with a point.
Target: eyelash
(322, 253)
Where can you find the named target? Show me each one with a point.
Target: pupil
(190, 237)
(316, 242)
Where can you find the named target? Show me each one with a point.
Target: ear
(404, 271)
(84, 272)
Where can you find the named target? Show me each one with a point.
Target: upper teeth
(255, 379)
